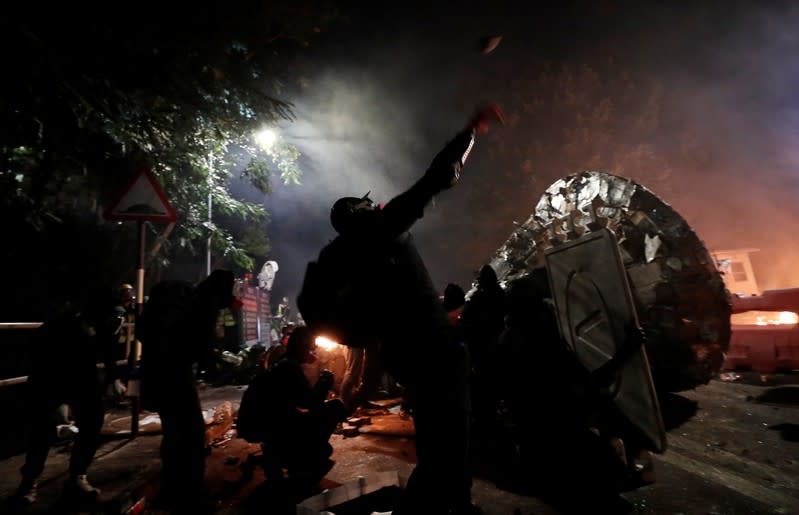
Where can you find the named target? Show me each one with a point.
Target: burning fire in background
(325, 343)
(765, 318)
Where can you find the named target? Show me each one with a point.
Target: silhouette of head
(487, 277)
(218, 288)
(301, 345)
(454, 297)
(346, 211)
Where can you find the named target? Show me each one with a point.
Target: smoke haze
(696, 103)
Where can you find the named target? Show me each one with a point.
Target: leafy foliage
(96, 96)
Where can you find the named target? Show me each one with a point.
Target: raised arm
(443, 173)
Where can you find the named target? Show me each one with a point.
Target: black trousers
(86, 402)
(183, 443)
(301, 441)
(437, 387)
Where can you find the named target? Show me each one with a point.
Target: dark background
(695, 101)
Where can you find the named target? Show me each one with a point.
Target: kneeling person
(298, 419)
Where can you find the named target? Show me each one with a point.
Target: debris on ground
(218, 425)
(385, 403)
(359, 421)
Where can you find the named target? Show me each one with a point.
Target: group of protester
(423, 343)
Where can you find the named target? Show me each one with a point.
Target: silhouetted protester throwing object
(177, 331)
(64, 370)
(370, 284)
(291, 419)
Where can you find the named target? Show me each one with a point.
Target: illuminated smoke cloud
(381, 100)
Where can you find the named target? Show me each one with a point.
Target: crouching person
(292, 419)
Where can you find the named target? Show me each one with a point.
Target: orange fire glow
(765, 318)
(325, 343)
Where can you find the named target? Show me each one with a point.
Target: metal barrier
(20, 325)
(134, 357)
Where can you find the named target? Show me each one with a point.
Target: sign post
(141, 201)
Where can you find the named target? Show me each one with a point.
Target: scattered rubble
(359, 421)
(349, 432)
(218, 425)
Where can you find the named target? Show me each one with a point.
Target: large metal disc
(678, 292)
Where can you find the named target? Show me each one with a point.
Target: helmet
(341, 215)
(454, 297)
(125, 286)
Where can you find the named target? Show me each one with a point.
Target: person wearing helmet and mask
(300, 418)
(397, 305)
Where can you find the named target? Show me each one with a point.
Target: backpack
(166, 310)
(252, 423)
(164, 316)
(334, 301)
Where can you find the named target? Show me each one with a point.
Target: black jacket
(399, 304)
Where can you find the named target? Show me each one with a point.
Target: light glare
(325, 343)
(266, 138)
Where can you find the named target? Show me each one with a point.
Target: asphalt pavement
(737, 454)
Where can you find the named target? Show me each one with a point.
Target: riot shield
(594, 306)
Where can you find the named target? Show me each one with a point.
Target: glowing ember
(765, 318)
(325, 343)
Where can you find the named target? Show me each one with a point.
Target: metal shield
(594, 306)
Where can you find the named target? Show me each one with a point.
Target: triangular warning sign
(143, 199)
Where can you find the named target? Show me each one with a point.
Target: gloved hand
(445, 170)
(485, 116)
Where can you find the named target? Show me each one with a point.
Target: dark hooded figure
(177, 331)
(68, 347)
(399, 307)
(481, 322)
(483, 316)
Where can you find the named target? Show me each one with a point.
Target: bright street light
(265, 138)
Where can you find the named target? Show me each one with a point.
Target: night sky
(696, 102)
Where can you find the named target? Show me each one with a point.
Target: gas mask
(346, 209)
